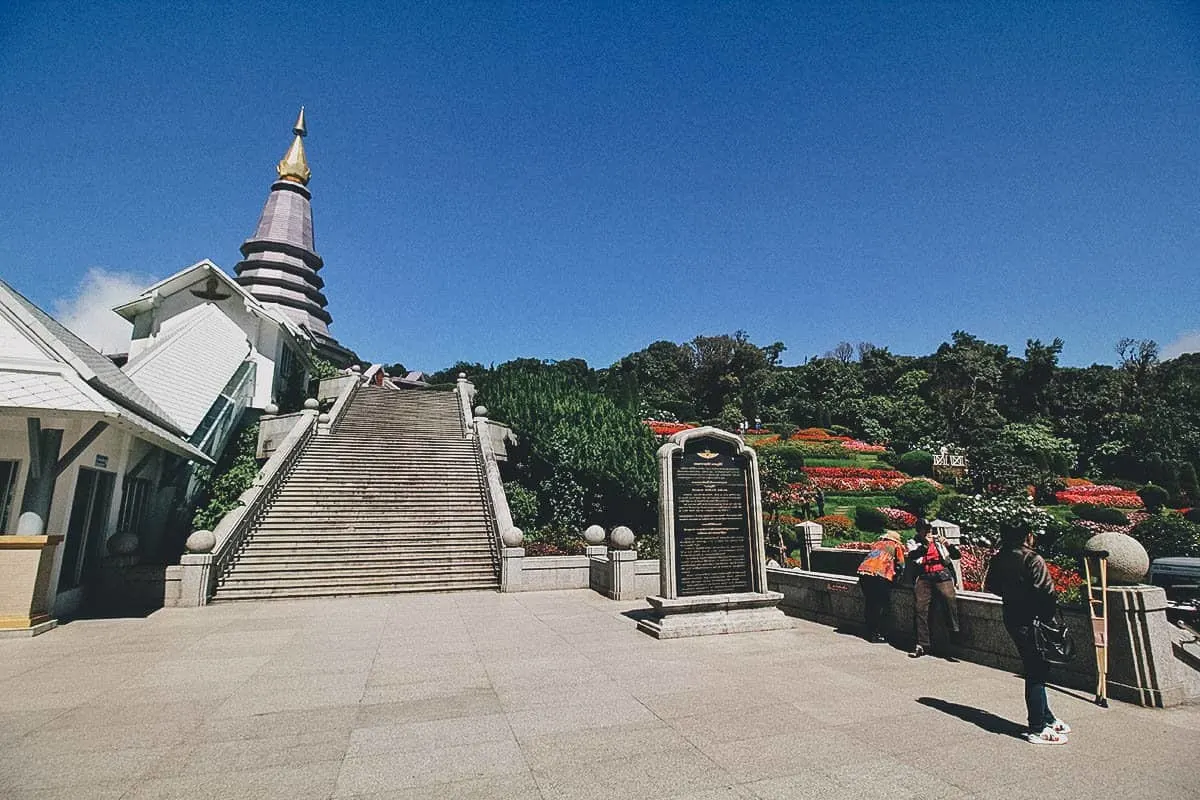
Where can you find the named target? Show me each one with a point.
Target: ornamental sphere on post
(593, 535)
(622, 537)
(512, 537)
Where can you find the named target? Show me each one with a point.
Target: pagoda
(279, 262)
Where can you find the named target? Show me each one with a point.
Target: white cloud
(1186, 342)
(89, 315)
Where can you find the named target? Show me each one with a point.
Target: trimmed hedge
(870, 519)
(917, 463)
(1102, 514)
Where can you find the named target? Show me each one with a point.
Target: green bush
(917, 463)
(1103, 514)
(917, 496)
(1168, 534)
(523, 503)
(1155, 497)
(233, 474)
(588, 460)
(791, 456)
(870, 519)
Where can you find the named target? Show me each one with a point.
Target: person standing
(933, 559)
(821, 502)
(1020, 577)
(876, 576)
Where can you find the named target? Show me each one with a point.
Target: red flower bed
(974, 564)
(899, 518)
(666, 428)
(1100, 495)
(812, 435)
(1067, 582)
(855, 546)
(858, 479)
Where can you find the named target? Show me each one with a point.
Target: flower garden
(857, 489)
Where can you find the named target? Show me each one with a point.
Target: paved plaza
(547, 695)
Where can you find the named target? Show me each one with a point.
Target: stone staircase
(392, 501)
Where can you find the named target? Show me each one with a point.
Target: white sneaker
(1047, 736)
(1059, 726)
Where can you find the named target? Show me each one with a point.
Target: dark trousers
(923, 597)
(877, 598)
(1037, 670)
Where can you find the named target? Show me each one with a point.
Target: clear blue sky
(494, 180)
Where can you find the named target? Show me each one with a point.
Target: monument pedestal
(711, 614)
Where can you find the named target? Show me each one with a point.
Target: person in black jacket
(1019, 576)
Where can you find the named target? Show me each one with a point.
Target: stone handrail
(344, 398)
(466, 396)
(210, 557)
(507, 534)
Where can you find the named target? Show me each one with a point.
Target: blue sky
(495, 180)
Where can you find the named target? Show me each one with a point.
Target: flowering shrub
(862, 447)
(661, 428)
(1067, 582)
(855, 545)
(1072, 483)
(983, 517)
(1100, 495)
(812, 435)
(899, 518)
(974, 564)
(766, 441)
(858, 479)
(790, 495)
(837, 525)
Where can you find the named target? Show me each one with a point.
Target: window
(134, 502)
(8, 486)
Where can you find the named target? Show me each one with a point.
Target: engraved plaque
(712, 519)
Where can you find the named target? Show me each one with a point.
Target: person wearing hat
(933, 559)
(878, 572)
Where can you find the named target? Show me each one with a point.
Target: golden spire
(294, 166)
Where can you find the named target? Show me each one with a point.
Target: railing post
(466, 396)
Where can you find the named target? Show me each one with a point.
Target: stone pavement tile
(518, 786)
(750, 760)
(178, 672)
(685, 703)
(675, 772)
(816, 784)
(445, 686)
(34, 769)
(92, 790)
(264, 699)
(1099, 781)
(543, 720)
(242, 643)
(296, 662)
(103, 713)
(783, 721)
(312, 781)
(196, 757)
(465, 703)
(260, 726)
(528, 696)
(16, 724)
(431, 734)
(116, 734)
(609, 744)
(362, 775)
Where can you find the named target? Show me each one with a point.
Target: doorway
(85, 531)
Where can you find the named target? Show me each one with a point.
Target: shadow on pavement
(976, 716)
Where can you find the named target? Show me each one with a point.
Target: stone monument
(713, 576)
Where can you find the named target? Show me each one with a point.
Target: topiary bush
(1155, 497)
(917, 496)
(1168, 534)
(836, 525)
(870, 519)
(1102, 514)
(917, 463)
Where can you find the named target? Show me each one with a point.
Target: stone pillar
(953, 535)
(623, 574)
(1142, 665)
(195, 579)
(511, 560)
(811, 535)
(44, 447)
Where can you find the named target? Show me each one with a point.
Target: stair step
(364, 578)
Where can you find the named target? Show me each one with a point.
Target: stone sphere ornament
(481, 411)
(622, 537)
(271, 410)
(356, 369)
(1128, 562)
(513, 537)
(593, 535)
(311, 404)
(123, 544)
(201, 542)
(323, 418)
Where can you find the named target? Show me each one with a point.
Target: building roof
(99, 372)
(187, 276)
(195, 355)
